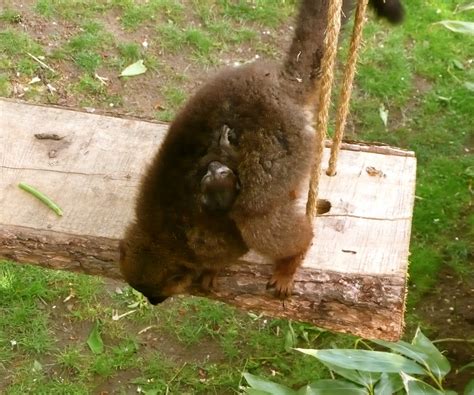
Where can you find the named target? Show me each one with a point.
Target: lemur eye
(223, 171)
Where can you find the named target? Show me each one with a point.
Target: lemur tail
(302, 64)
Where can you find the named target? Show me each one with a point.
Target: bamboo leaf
(469, 390)
(331, 387)
(465, 7)
(414, 386)
(458, 26)
(349, 374)
(406, 349)
(369, 361)
(470, 364)
(252, 391)
(436, 361)
(260, 384)
(366, 379)
(388, 384)
(369, 379)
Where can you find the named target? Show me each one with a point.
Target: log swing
(353, 278)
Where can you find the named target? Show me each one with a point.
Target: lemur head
(155, 273)
(219, 187)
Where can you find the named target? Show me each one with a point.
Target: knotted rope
(327, 77)
(347, 83)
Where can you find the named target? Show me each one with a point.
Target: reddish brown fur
(173, 241)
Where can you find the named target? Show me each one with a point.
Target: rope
(327, 66)
(346, 88)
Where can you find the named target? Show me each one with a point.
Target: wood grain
(354, 276)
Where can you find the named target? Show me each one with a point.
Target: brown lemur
(226, 177)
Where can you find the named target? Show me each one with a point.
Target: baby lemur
(227, 176)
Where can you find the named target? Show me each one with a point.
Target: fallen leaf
(134, 69)
(159, 106)
(37, 367)
(457, 64)
(34, 80)
(383, 114)
(94, 341)
(469, 171)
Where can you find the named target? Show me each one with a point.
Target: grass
(435, 127)
(49, 331)
(418, 72)
(9, 15)
(84, 47)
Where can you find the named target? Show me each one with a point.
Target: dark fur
(220, 184)
(175, 239)
(392, 10)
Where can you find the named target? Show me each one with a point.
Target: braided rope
(327, 66)
(346, 88)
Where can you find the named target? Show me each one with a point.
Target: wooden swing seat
(354, 276)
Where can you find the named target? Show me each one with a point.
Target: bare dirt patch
(448, 311)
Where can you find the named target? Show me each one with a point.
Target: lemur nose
(154, 300)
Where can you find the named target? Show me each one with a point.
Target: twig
(40, 62)
(453, 340)
(146, 329)
(116, 316)
(102, 80)
(176, 375)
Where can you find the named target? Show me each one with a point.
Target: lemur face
(151, 272)
(220, 185)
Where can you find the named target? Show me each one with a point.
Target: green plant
(409, 368)
(462, 27)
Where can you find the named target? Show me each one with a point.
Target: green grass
(416, 71)
(234, 341)
(130, 52)
(14, 46)
(5, 86)
(89, 86)
(173, 39)
(267, 12)
(86, 46)
(134, 15)
(9, 15)
(70, 9)
(436, 128)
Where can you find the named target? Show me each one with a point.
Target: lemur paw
(283, 285)
(209, 280)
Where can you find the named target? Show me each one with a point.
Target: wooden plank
(354, 275)
(374, 147)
